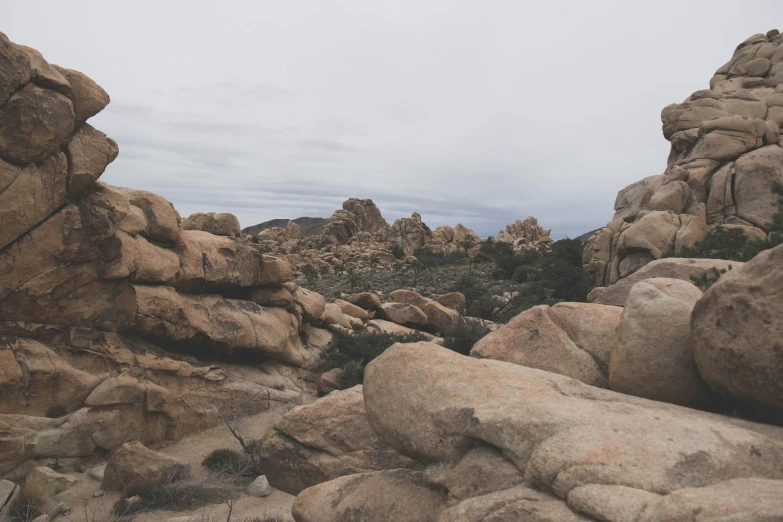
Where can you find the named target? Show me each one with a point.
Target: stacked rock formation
(520, 436)
(102, 287)
(525, 235)
(725, 155)
(356, 216)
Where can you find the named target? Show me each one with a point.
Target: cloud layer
(473, 112)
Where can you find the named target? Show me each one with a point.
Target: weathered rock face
(652, 354)
(220, 224)
(556, 448)
(670, 268)
(325, 440)
(527, 234)
(573, 339)
(95, 280)
(725, 156)
(411, 233)
(357, 215)
(738, 333)
(135, 465)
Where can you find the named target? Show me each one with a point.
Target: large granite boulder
(135, 465)
(584, 450)
(325, 440)
(725, 155)
(652, 354)
(573, 339)
(738, 334)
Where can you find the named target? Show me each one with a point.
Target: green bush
(28, 504)
(464, 335)
(709, 278)
(397, 251)
(362, 347)
(353, 374)
(225, 460)
(56, 411)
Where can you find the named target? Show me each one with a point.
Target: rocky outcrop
(219, 224)
(560, 449)
(738, 334)
(107, 297)
(357, 215)
(525, 235)
(133, 465)
(573, 339)
(325, 440)
(670, 268)
(725, 156)
(411, 233)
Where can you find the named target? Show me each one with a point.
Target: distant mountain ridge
(311, 226)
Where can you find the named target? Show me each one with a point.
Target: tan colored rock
(661, 232)
(325, 440)
(137, 259)
(45, 75)
(332, 315)
(366, 300)
(161, 217)
(737, 332)
(34, 123)
(87, 96)
(215, 262)
(33, 378)
(652, 354)
(135, 465)
(274, 271)
(440, 317)
(89, 152)
(573, 339)
(410, 233)
(313, 304)
(330, 381)
(352, 310)
(117, 390)
(383, 326)
(672, 268)
(220, 224)
(402, 313)
(517, 503)
(672, 197)
(271, 297)
(15, 68)
(454, 300)
(408, 297)
(386, 495)
(49, 482)
(31, 195)
(565, 435)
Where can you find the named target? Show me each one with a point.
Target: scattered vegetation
(28, 504)
(175, 496)
(464, 335)
(709, 278)
(56, 411)
(225, 460)
(352, 352)
(310, 274)
(397, 251)
(733, 244)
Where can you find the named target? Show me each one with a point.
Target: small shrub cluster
(225, 460)
(352, 352)
(463, 336)
(709, 278)
(175, 496)
(27, 505)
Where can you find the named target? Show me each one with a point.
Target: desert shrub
(362, 347)
(464, 335)
(478, 302)
(719, 243)
(56, 411)
(353, 374)
(225, 460)
(708, 278)
(174, 496)
(310, 274)
(397, 251)
(28, 504)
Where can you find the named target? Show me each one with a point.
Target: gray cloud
(480, 114)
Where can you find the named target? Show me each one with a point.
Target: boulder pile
(107, 297)
(725, 156)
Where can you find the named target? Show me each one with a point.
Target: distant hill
(311, 226)
(584, 237)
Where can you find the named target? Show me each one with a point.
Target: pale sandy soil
(88, 508)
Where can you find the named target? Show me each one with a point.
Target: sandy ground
(86, 507)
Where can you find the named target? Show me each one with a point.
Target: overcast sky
(477, 112)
